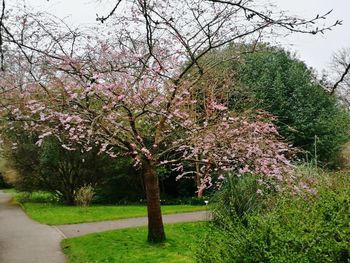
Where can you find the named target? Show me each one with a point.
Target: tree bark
(155, 222)
(200, 193)
(198, 180)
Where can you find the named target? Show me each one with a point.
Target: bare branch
(289, 25)
(104, 18)
(342, 78)
(1, 36)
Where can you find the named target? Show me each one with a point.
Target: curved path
(23, 240)
(75, 230)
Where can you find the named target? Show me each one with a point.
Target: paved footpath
(23, 240)
(87, 228)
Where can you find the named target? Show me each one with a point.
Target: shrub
(10, 176)
(36, 197)
(237, 198)
(299, 229)
(84, 195)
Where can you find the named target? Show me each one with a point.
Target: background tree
(50, 167)
(307, 115)
(274, 80)
(340, 72)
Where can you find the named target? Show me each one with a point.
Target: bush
(84, 195)
(296, 230)
(237, 198)
(36, 197)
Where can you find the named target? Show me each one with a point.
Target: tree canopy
(125, 90)
(308, 116)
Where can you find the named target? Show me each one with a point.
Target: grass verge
(55, 214)
(44, 208)
(130, 245)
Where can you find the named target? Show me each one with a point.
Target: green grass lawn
(130, 245)
(43, 207)
(55, 214)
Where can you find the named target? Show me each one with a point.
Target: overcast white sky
(316, 51)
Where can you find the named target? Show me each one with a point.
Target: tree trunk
(155, 221)
(200, 193)
(198, 180)
(68, 198)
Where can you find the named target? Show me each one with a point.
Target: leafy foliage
(36, 197)
(238, 197)
(295, 230)
(51, 167)
(307, 114)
